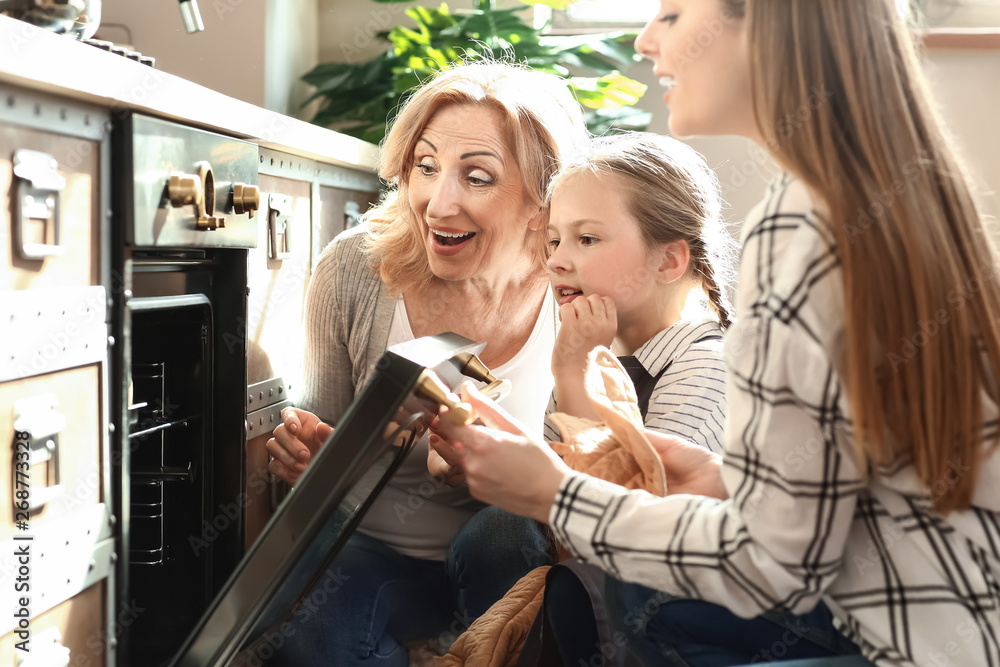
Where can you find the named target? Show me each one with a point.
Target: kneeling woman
(458, 245)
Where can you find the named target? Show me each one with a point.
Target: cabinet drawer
(62, 410)
(81, 626)
(277, 275)
(49, 221)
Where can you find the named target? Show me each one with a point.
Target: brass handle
(497, 389)
(474, 368)
(430, 387)
(246, 199)
(199, 190)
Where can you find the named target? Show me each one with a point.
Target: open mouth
(451, 238)
(566, 294)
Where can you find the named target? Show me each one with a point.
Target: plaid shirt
(689, 399)
(909, 586)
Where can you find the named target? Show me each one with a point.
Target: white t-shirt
(419, 516)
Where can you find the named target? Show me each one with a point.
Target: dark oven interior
(170, 467)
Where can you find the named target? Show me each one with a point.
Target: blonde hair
(541, 122)
(674, 196)
(922, 308)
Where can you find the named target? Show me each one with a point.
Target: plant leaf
(359, 98)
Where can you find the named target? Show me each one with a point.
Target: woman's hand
(295, 442)
(503, 466)
(690, 468)
(443, 462)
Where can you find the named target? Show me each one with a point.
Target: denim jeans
(386, 599)
(660, 629)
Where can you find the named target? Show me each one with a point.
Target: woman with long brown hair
(860, 464)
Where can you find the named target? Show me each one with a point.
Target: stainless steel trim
(267, 392)
(40, 111)
(284, 165)
(168, 302)
(265, 420)
(46, 330)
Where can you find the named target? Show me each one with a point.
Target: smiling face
(466, 189)
(597, 248)
(699, 54)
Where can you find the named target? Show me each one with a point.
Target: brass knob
(474, 368)
(430, 387)
(246, 198)
(184, 189)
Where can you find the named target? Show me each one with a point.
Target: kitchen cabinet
(151, 307)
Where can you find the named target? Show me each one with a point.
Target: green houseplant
(360, 97)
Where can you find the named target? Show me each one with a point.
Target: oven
(184, 203)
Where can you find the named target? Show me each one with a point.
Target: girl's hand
(448, 470)
(587, 322)
(503, 466)
(690, 468)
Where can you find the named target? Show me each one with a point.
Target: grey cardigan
(348, 314)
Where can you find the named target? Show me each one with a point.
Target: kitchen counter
(34, 58)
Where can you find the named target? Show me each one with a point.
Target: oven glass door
(317, 517)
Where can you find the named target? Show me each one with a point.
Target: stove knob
(246, 198)
(211, 222)
(184, 189)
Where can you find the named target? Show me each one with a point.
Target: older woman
(458, 245)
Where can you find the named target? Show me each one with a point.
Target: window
(597, 15)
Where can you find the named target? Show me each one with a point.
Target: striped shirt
(689, 399)
(910, 586)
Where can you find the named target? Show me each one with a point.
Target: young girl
(860, 459)
(634, 233)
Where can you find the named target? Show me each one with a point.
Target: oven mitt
(495, 638)
(617, 451)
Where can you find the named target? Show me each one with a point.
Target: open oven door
(315, 520)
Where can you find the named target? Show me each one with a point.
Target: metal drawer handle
(352, 214)
(37, 196)
(46, 651)
(39, 417)
(279, 227)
